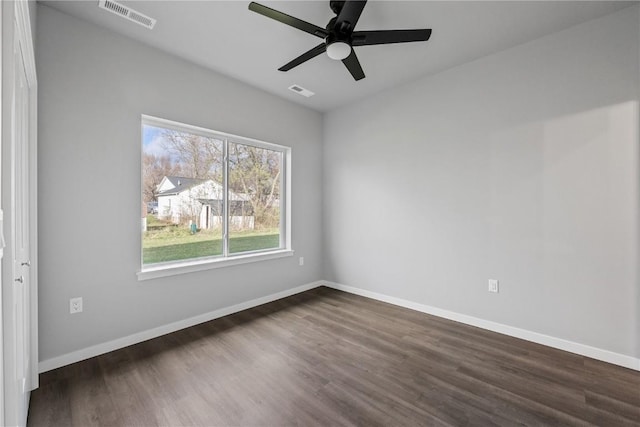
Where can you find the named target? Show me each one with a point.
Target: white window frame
(171, 268)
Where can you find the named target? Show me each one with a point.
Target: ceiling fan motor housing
(337, 37)
(343, 29)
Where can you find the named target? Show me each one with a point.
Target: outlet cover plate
(75, 305)
(493, 285)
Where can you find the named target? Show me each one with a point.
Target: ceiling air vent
(300, 90)
(127, 13)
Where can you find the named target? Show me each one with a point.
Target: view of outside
(184, 197)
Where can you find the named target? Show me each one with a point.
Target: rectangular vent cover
(300, 90)
(127, 13)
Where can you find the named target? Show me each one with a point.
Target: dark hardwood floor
(325, 357)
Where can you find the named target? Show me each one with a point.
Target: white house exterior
(182, 199)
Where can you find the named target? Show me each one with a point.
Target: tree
(255, 173)
(154, 168)
(199, 156)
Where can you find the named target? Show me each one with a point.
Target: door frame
(2, 239)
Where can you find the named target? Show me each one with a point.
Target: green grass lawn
(177, 243)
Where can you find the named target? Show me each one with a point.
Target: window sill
(176, 268)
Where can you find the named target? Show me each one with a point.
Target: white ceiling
(226, 37)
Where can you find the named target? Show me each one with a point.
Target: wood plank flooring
(325, 357)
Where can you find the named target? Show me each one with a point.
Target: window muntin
(209, 195)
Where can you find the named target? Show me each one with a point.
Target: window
(211, 198)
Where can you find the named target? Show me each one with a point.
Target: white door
(19, 224)
(19, 355)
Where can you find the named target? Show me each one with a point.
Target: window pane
(182, 195)
(254, 198)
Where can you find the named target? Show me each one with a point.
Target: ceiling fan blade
(321, 48)
(353, 65)
(289, 20)
(366, 38)
(349, 15)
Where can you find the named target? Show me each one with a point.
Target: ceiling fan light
(338, 50)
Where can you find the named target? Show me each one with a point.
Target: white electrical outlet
(493, 285)
(301, 260)
(75, 305)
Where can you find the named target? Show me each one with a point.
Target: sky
(151, 140)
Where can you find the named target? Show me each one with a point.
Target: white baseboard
(96, 350)
(559, 343)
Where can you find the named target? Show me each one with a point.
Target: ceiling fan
(339, 35)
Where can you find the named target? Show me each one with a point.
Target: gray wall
(93, 87)
(522, 166)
